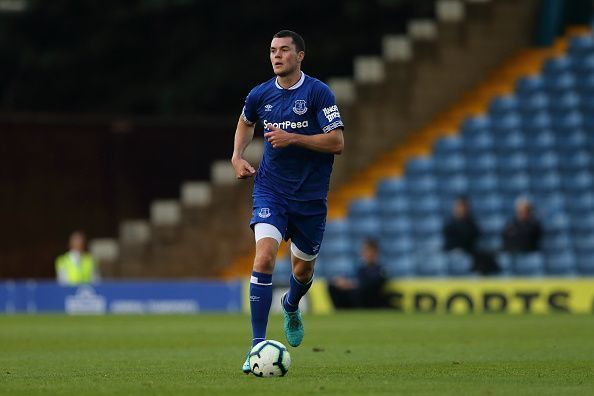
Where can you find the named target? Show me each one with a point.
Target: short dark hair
(372, 243)
(297, 39)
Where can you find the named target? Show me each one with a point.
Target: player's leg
(307, 221)
(268, 238)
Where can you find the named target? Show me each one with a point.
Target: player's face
(284, 56)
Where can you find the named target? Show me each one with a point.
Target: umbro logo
(268, 107)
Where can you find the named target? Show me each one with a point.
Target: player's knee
(264, 262)
(303, 271)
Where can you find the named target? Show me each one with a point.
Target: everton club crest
(300, 107)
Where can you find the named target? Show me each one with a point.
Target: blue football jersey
(307, 108)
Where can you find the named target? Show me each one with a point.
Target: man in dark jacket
(523, 233)
(461, 231)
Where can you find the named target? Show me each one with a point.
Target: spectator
(76, 267)
(367, 291)
(461, 231)
(522, 234)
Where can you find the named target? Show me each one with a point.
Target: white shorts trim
(300, 255)
(265, 230)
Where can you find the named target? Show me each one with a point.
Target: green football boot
(293, 325)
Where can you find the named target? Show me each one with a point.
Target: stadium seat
(425, 225)
(336, 246)
(426, 205)
(395, 206)
(396, 246)
(511, 162)
(509, 121)
(578, 182)
(583, 66)
(529, 264)
(581, 203)
(482, 164)
(458, 262)
(536, 123)
(561, 262)
(475, 124)
(582, 222)
(397, 225)
(420, 166)
(530, 85)
(479, 142)
(511, 141)
(583, 241)
(565, 123)
(585, 264)
(365, 227)
(565, 103)
(343, 265)
(448, 146)
(557, 65)
(542, 162)
(430, 263)
(516, 184)
(421, 185)
(450, 163)
(487, 204)
(581, 46)
(486, 183)
(282, 271)
(388, 188)
(572, 162)
(503, 105)
(505, 262)
(492, 224)
(545, 182)
(364, 208)
(559, 83)
(399, 266)
(532, 104)
(452, 186)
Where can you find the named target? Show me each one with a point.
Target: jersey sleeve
(249, 114)
(327, 111)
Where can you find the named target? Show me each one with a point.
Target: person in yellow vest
(76, 267)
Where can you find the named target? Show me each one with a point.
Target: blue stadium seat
(545, 182)
(282, 271)
(530, 85)
(426, 205)
(365, 227)
(482, 164)
(581, 46)
(533, 104)
(559, 83)
(572, 141)
(529, 264)
(577, 161)
(583, 66)
(448, 145)
(343, 265)
(516, 184)
(395, 206)
(503, 105)
(399, 266)
(487, 204)
(581, 203)
(337, 246)
(586, 86)
(336, 229)
(549, 203)
(396, 246)
(558, 222)
(585, 263)
(542, 162)
(458, 262)
(426, 225)
(506, 263)
(513, 140)
(583, 241)
(537, 122)
(582, 222)
(421, 185)
(475, 124)
(556, 241)
(431, 264)
(450, 163)
(364, 208)
(398, 225)
(481, 141)
(492, 224)
(485, 183)
(454, 185)
(490, 242)
(388, 188)
(561, 262)
(419, 167)
(565, 103)
(578, 182)
(506, 122)
(567, 122)
(556, 66)
(543, 140)
(512, 162)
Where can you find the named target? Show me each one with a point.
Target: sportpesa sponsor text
(287, 124)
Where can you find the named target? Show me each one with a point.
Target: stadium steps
(391, 97)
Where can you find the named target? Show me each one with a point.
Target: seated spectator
(367, 291)
(523, 233)
(461, 231)
(76, 267)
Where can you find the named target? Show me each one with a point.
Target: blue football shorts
(303, 222)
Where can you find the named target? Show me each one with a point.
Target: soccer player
(303, 132)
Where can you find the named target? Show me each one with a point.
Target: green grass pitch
(359, 353)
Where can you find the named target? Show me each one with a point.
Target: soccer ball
(270, 358)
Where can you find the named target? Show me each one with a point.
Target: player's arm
(331, 142)
(243, 136)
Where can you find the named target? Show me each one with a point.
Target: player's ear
(300, 56)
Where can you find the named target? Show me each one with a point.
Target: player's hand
(243, 169)
(278, 138)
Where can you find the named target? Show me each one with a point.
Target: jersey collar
(294, 86)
